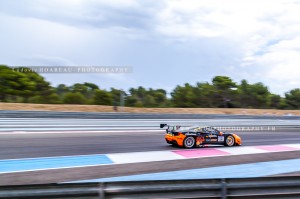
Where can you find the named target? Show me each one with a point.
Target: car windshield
(193, 129)
(209, 130)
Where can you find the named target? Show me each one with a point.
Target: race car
(196, 136)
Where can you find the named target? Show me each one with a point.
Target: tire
(229, 141)
(189, 142)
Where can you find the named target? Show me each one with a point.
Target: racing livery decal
(196, 136)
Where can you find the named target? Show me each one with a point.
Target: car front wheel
(229, 140)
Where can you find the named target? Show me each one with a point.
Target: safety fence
(266, 187)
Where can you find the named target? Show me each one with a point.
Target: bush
(74, 98)
(102, 97)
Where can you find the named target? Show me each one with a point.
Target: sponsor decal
(211, 140)
(199, 140)
(212, 136)
(220, 138)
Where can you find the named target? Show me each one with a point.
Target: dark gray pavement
(28, 145)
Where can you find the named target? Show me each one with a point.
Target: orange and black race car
(196, 136)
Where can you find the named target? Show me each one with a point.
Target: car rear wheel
(229, 140)
(189, 142)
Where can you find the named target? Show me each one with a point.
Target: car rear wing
(170, 127)
(163, 125)
(167, 125)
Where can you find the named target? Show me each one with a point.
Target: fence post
(223, 189)
(101, 190)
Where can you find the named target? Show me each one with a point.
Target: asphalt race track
(28, 145)
(52, 137)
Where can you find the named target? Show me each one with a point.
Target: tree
(275, 101)
(254, 95)
(40, 87)
(136, 97)
(50, 99)
(102, 97)
(259, 95)
(86, 89)
(62, 89)
(131, 100)
(183, 96)
(223, 83)
(115, 95)
(149, 101)
(74, 98)
(204, 95)
(160, 99)
(223, 86)
(244, 93)
(293, 98)
(140, 92)
(80, 88)
(8, 85)
(18, 85)
(91, 86)
(15, 83)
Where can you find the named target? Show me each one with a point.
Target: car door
(217, 137)
(210, 136)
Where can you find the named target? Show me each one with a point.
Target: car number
(220, 138)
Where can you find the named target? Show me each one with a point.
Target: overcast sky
(167, 42)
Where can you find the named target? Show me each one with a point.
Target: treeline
(222, 92)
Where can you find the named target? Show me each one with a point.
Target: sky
(166, 42)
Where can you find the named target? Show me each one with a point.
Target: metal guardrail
(123, 115)
(267, 187)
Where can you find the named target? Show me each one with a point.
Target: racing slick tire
(189, 142)
(229, 141)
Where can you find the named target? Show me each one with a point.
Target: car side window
(209, 130)
(215, 131)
